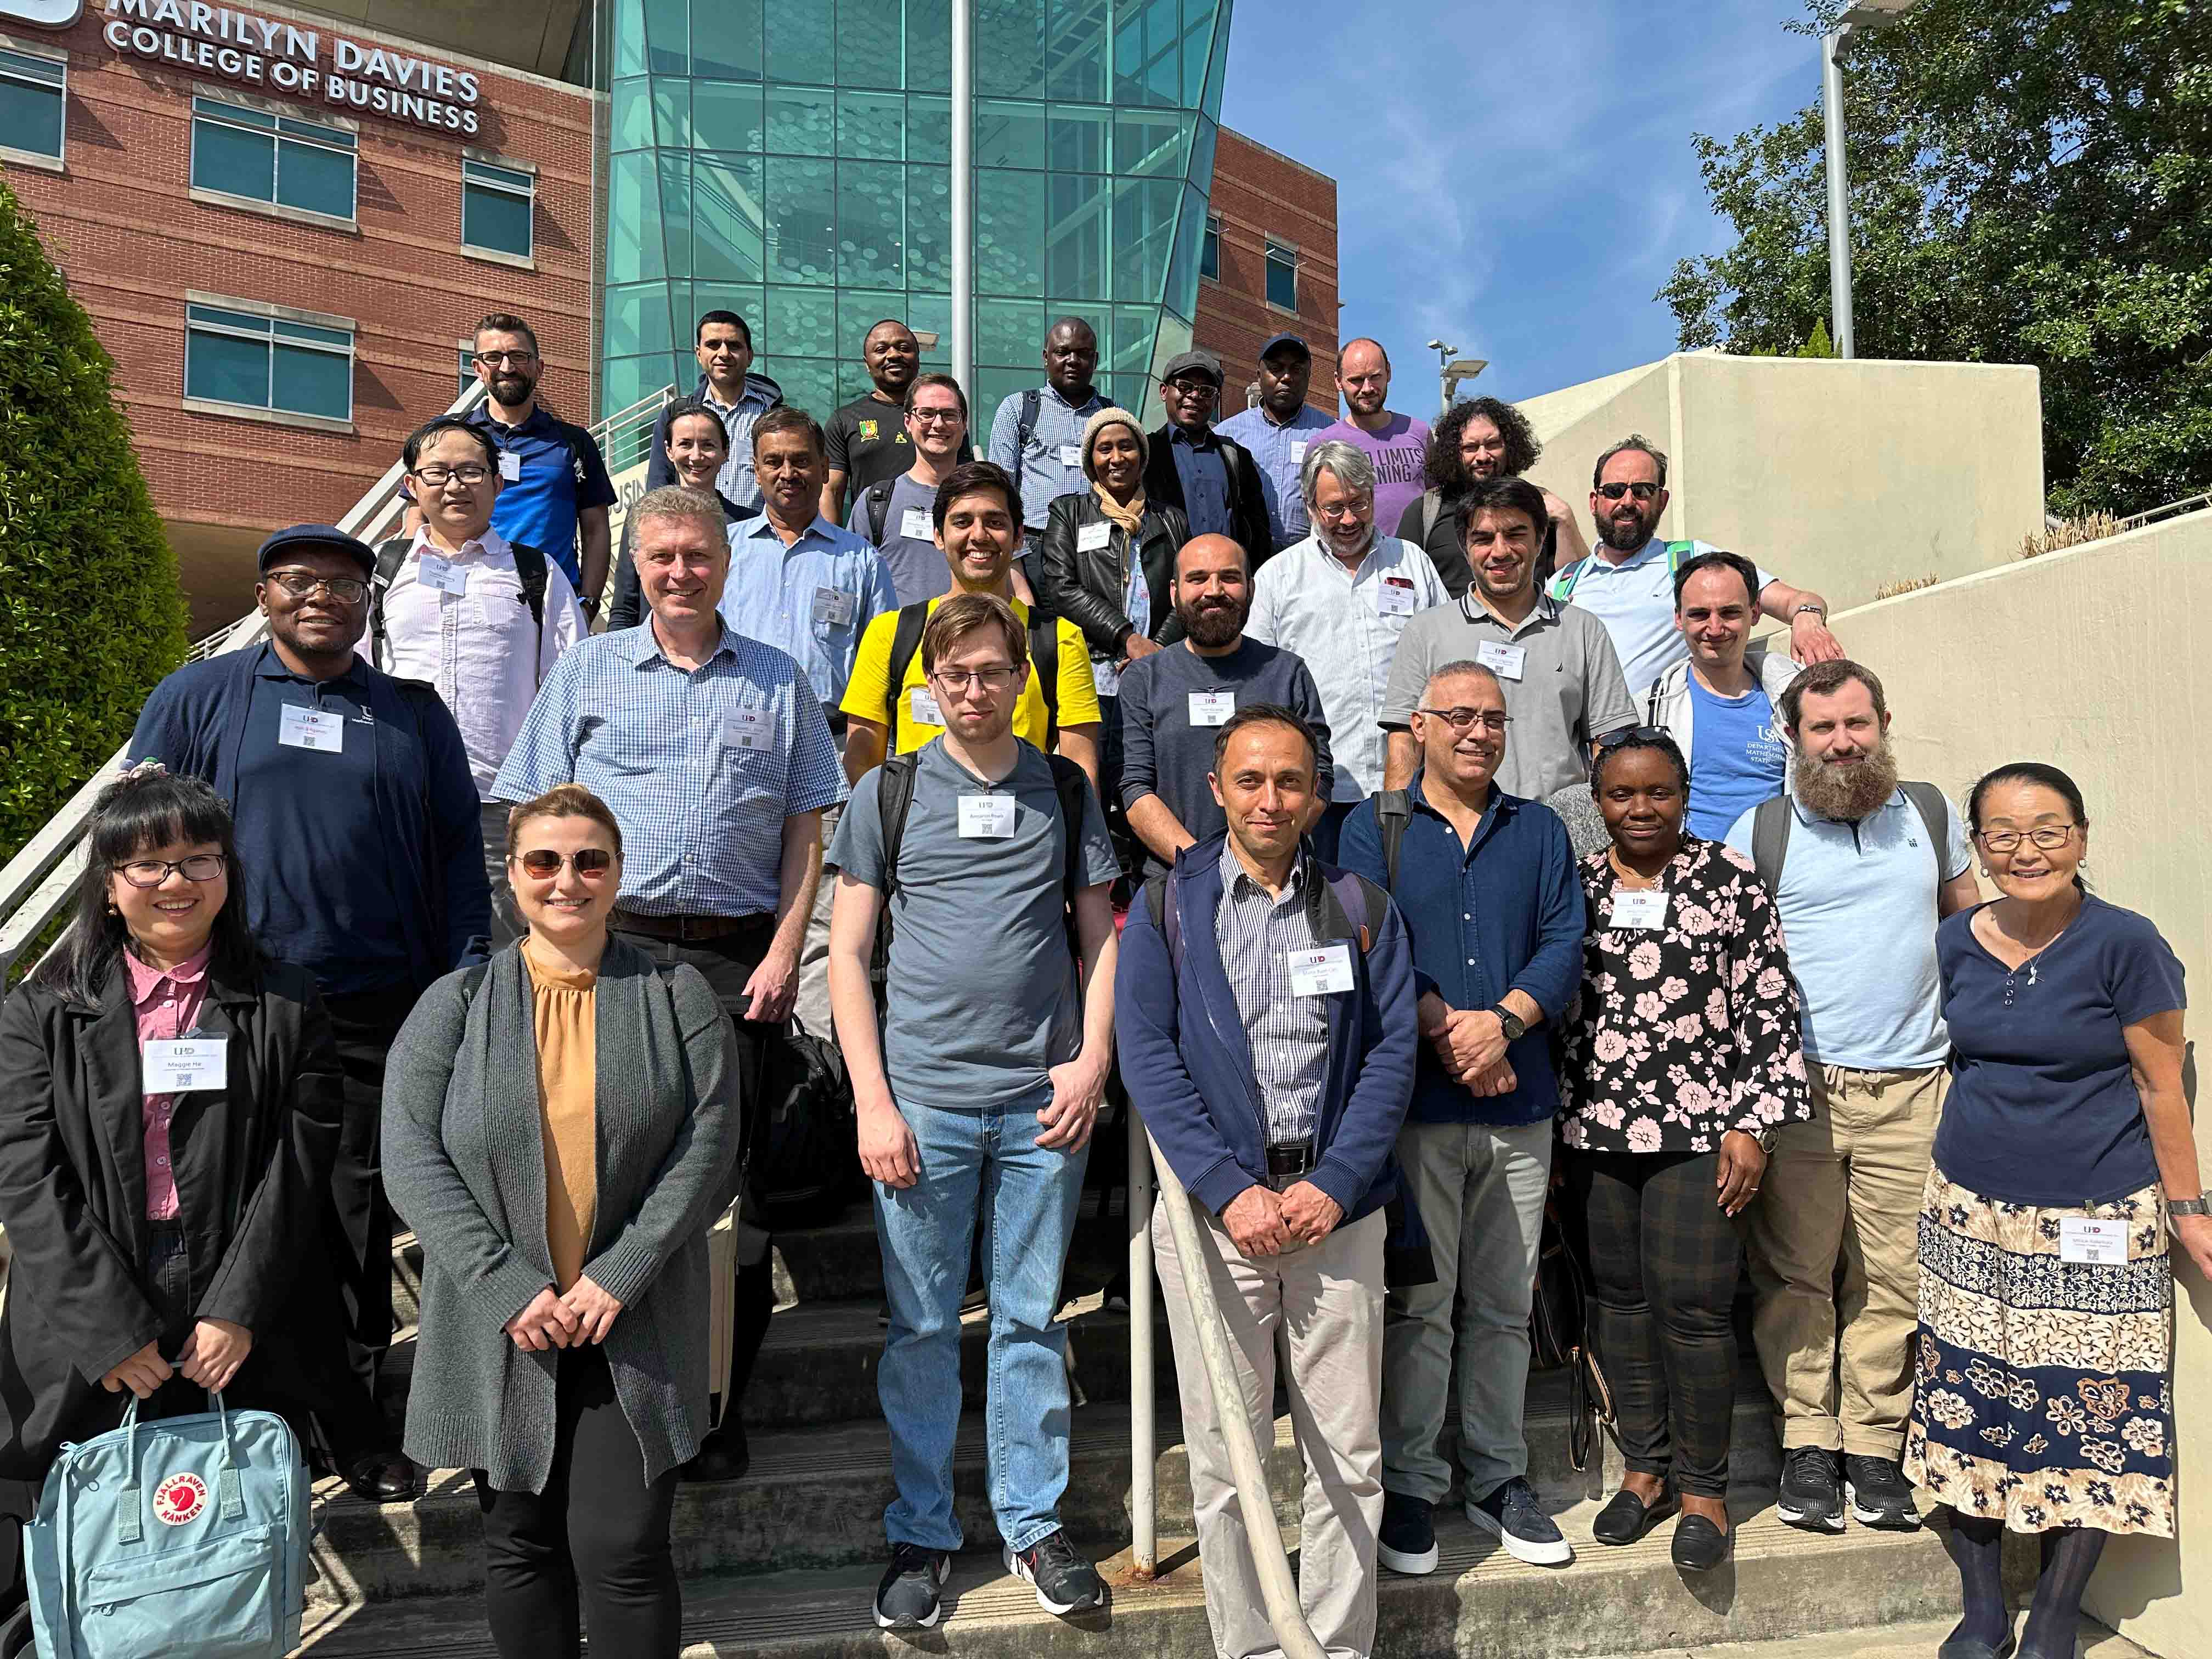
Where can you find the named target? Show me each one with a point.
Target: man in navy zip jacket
(1486, 881)
(360, 858)
(1266, 1019)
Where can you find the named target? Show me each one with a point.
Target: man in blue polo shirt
(1486, 883)
(811, 588)
(554, 489)
(1277, 430)
(360, 861)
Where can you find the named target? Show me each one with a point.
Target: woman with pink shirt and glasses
(169, 1103)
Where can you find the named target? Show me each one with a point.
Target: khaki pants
(1324, 1304)
(1834, 1259)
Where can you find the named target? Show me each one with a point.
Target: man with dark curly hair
(1481, 438)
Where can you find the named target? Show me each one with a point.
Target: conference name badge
(510, 466)
(1211, 707)
(1071, 455)
(184, 1065)
(311, 728)
(1394, 597)
(1644, 910)
(749, 728)
(988, 817)
(832, 607)
(1323, 969)
(2093, 1244)
(1092, 537)
(1298, 451)
(913, 525)
(1506, 661)
(443, 574)
(921, 708)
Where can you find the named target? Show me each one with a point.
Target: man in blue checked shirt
(811, 588)
(712, 751)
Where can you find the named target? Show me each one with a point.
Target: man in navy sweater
(1487, 885)
(1266, 1025)
(360, 858)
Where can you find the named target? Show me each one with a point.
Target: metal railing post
(1195, 1258)
(1144, 1450)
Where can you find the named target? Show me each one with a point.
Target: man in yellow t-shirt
(978, 522)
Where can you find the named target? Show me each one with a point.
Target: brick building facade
(144, 229)
(1273, 222)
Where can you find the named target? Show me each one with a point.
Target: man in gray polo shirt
(976, 1095)
(1563, 685)
(1037, 435)
(1175, 701)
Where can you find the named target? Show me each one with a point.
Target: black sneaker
(1880, 1495)
(1521, 1526)
(1812, 1490)
(907, 1596)
(1408, 1542)
(1064, 1581)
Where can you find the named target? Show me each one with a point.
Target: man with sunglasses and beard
(1175, 701)
(1628, 581)
(1862, 869)
(361, 860)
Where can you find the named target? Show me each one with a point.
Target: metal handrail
(2171, 510)
(1194, 1249)
(618, 435)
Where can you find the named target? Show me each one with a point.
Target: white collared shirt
(1304, 600)
(479, 648)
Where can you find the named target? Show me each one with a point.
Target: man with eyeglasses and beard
(1628, 581)
(1175, 701)
(361, 860)
(1861, 868)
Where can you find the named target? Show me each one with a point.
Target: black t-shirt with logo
(868, 443)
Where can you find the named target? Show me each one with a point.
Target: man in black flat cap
(360, 858)
(1213, 479)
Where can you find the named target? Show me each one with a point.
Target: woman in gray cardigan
(560, 1130)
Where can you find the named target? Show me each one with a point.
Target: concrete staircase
(782, 1564)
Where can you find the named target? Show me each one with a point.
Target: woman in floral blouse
(1682, 1061)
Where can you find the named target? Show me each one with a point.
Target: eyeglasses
(1193, 390)
(543, 862)
(516, 359)
(2007, 841)
(469, 472)
(1350, 507)
(302, 584)
(1642, 492)
(935, 416)
(152, 872)
(959, 679)
(1461, 718)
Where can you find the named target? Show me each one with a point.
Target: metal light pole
(963, 200)
(1867, 15)
(1444, 355)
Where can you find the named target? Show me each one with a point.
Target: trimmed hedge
(91, 615)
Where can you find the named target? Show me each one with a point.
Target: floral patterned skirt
(2041, 1397)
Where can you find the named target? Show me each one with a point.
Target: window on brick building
(1209, 252)
(498, 206)
(262, 157)
(259, 359)
(32, 94)
(1282, 276)
(467, 353)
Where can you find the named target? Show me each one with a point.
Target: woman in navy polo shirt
(2045, 1290)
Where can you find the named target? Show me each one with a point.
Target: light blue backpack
(187, 1538)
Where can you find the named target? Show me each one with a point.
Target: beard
(1626, 535)
(1847, 793)
(1215, 624)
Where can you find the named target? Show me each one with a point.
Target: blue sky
(1515, 178)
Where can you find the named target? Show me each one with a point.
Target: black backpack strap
(894, 796)
(1393, 810)
(530, 571)
(1935, 813)
(1025, 424)
(878, 507)
(1771, 822)
(390, 555)
(1364, 904)
(1072, 784)
(906, 640)
(1165, 918)
(1044, 668)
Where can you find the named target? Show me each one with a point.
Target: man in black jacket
(1213, 479)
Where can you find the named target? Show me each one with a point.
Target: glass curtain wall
(787, 159)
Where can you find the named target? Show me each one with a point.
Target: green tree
(2028, 185)
(91, 615)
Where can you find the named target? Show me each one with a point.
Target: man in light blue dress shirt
(1277, 430)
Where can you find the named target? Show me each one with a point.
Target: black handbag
(1558, 1335)
(804, 1161)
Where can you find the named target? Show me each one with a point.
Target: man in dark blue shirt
(554, 490)
(1486, 882)
(1213, 479)
(361, 860)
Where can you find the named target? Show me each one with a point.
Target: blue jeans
(1027, 1195)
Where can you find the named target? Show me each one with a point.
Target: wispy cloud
(1515, 179)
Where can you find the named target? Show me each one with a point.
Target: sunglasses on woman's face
(544, 863)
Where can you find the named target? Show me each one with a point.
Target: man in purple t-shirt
(1397, 444)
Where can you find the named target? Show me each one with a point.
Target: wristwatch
(1514, 1027)
(1819, 610)
(2186, 1206)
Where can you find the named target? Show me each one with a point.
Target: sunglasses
(1613, 492)
(1633, 734)
(543, 862)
